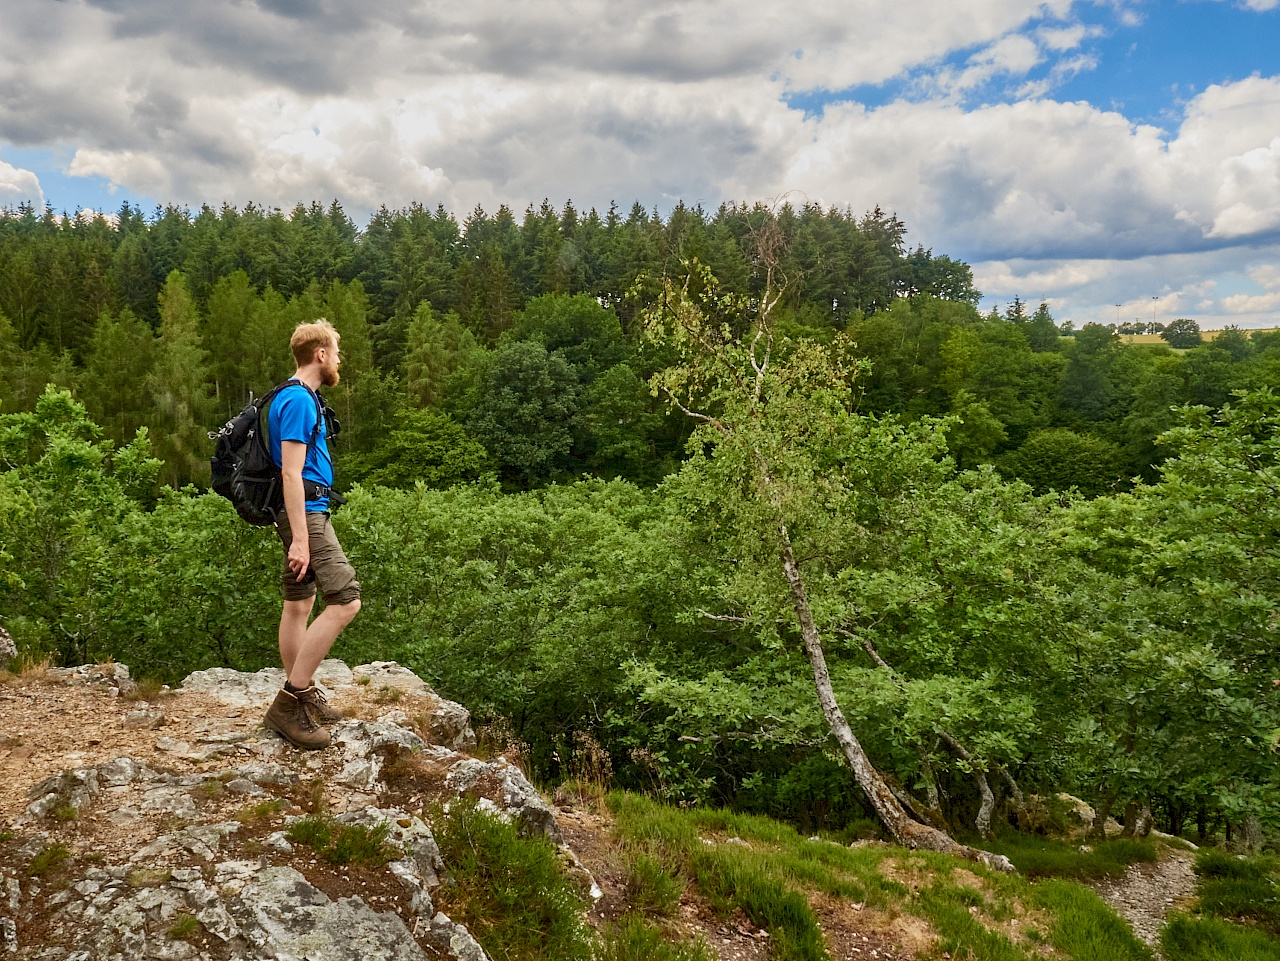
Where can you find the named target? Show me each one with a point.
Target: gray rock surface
(516, 798)
(258, 690)
(282, 916)
(8, 650)
(244, 881)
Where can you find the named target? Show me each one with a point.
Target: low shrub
(508, 890)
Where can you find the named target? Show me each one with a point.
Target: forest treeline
(1053, 549)
(510, 346)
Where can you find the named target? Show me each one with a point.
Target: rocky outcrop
(191, 853)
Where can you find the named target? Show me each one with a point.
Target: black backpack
(242, 468)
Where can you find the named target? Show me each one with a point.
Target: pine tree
(182, 410)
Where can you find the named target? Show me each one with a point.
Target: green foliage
(1062, 460)
(1182, 333)
(509, 891)
(525, 411)
(422, 446)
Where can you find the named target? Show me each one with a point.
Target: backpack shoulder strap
(265, 405)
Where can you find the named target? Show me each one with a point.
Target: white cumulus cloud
(19, 186)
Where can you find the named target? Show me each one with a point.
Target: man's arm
(293, 454)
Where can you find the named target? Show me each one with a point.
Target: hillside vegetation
(722, 505)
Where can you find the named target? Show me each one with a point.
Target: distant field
(1204, 335)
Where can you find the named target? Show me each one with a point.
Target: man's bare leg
(293, 631)
(317, 640)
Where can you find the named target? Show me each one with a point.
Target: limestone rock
(110, 675)
(185, 858)
(281, 915)
(389, 674)
(8, 650)
(515, 798)
(449, 723)
(74, 790)
(240, 689)
(452, 938)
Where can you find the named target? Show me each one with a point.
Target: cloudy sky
(1119, 158)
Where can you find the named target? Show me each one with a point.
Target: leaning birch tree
(771, 469)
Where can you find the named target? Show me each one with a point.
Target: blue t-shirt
(292, 416)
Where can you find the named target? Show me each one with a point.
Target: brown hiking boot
(289, 717)
(319, 706)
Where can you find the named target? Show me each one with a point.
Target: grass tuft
(184, 927)
(148, 877)
(361, 844)
(146, 689)
(508, 890)
(653, 887)
(48, 860)
(634, 939)
(313, 832)
(344, 843)
(64, 812)
(260, 812)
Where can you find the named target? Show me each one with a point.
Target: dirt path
(1148, 892)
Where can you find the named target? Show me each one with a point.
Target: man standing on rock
(297, 433)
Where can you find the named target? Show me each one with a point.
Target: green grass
(509, 891)
(1188, 938)
(769, 876)
(1237, 912)
(313, 832)
(1083, 926)
(48, 860)
(184, 927)
(1039, 857)
(343, 843)
(634, 939)
(361, 844)
(1235, 888)
(652, 887)
(260, 812)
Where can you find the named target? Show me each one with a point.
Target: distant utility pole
(1153, 308)
(1117, 315)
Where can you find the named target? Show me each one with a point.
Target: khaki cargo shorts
(330, 571)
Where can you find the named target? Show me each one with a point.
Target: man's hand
(299, 556)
